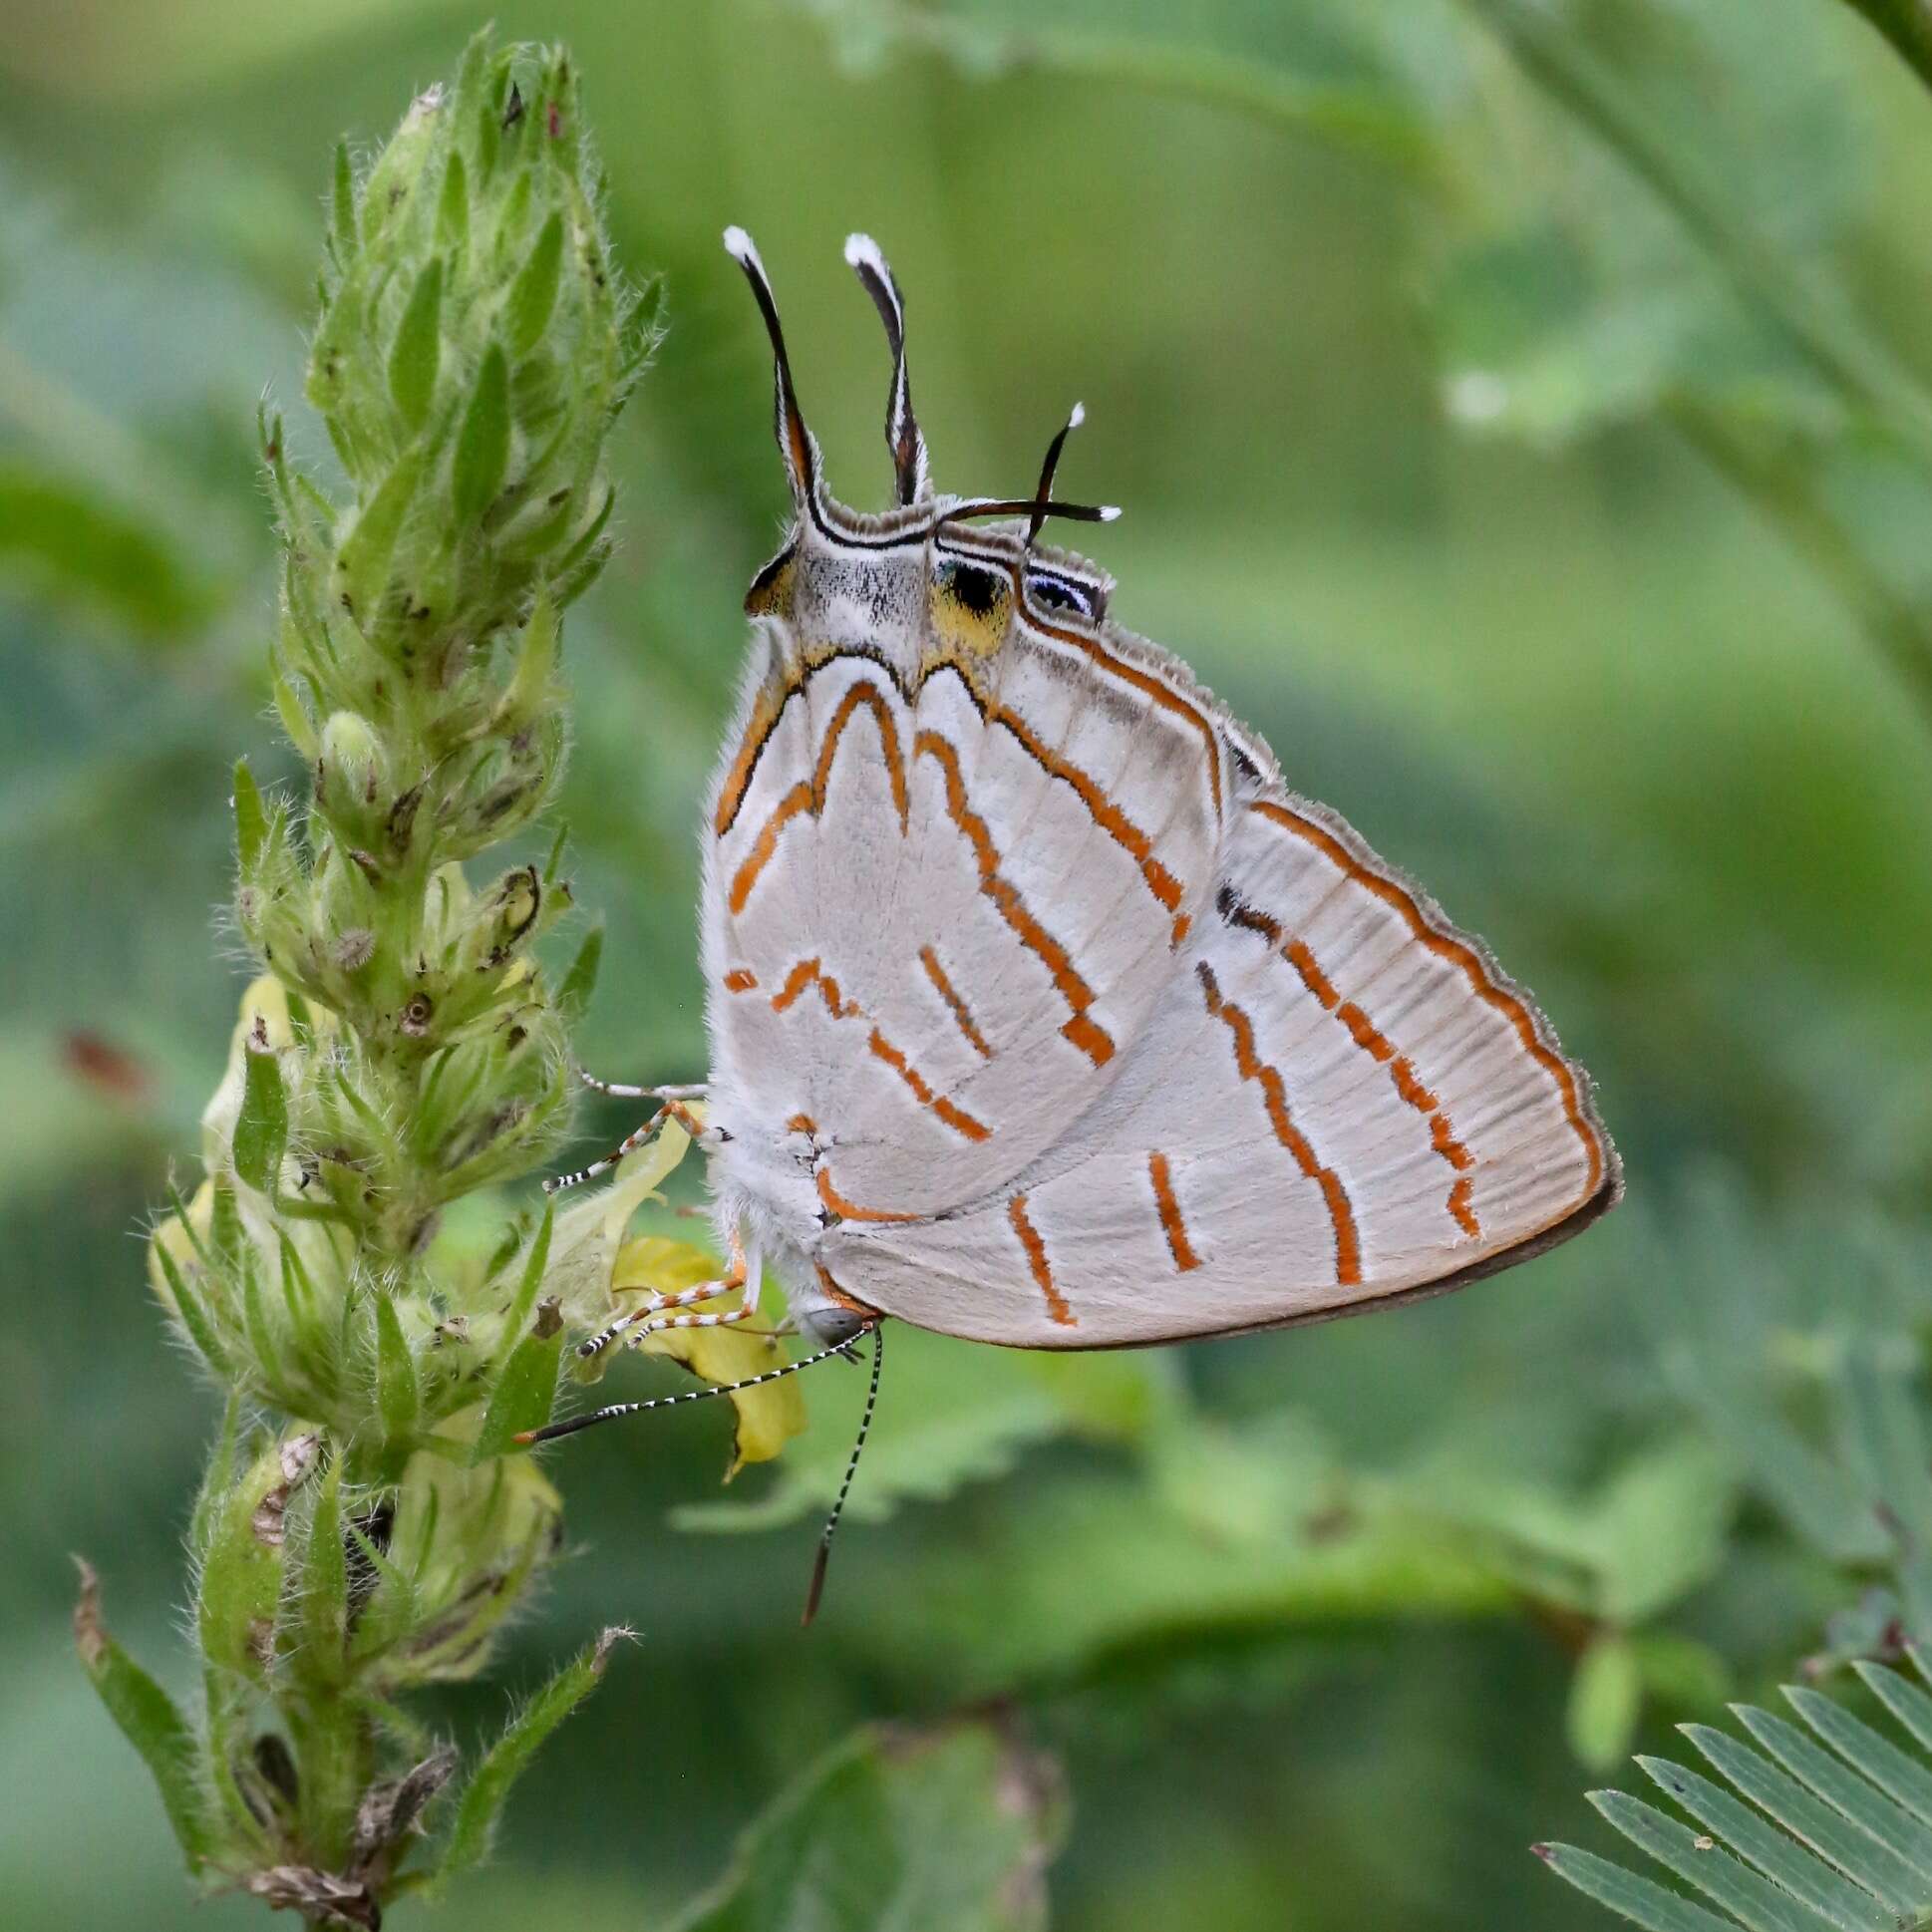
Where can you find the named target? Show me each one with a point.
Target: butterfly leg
(648, 1316)
(618, 1091)
(672, 1110)
(746, 1273)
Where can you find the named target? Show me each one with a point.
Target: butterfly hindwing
(1338, 1100)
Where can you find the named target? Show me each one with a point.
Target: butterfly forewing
(934, 925)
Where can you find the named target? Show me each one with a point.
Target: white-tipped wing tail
(1340, 1100)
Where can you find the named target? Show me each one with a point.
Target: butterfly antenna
(1044, 494)
(1029, 506)
(902, 433)
(551, 1431)
(795, 440)
(824, 1557)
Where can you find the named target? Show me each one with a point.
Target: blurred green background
(1518, 415)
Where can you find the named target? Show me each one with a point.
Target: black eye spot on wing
(973, 589)
(1056, 593)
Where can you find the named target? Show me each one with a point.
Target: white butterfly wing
(934, 919)
(1339, 1099)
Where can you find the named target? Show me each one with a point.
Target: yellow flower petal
(767, 1415)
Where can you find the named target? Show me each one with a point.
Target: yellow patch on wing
(769, 1415)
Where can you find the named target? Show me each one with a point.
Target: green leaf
(193, 1314)
(1641, 1900)
(533, 296)
(1762, 1907)
(483, 443)
(1224, 57)
(1843, 1790)
(363, 563)
(1902, 1698)
(1606, 1696)
(1861, 1747)
(324, 1601)
(577, 985)
(525, 1386)
(398, 1395)
(261, 1127)
(948, 1829)
(241, 1574)
(523, 1303)
(216, 1478)
(481, 1805)
(342, 203)
(251, 822)
(1876, 1867)
(149, 1720)
(452, 206)
(415, 354)
(1810, 1879)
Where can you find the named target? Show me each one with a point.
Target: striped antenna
(902, 434)
(1030, 506)
(795, 440)
(1075, 418)
(551, 1431)
(824, 1557)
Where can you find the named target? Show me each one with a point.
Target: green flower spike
(362, 1529)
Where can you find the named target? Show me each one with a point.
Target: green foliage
(1842, 1837)
(947, 1830)
(65, 540)
(150, 1720)
(1412, 338)
(479, 1803)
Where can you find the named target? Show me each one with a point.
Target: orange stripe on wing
(847, 1211)
(1465, 958)
(809, 973)
(808, 795)
(1340, 1213)
(1364, 1032)
(1109, 816)
(1143, 681)
(1091, 1038)
(1036, 1250)
(740, 979)
(1171, 1225)
(766, 709)
(955, 1117)
(962, 1015)
(839, 1295)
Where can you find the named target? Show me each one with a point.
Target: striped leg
(635, 1323)
(673, 1109)
(617, 1090)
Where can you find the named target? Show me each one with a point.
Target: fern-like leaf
(1834, 1837)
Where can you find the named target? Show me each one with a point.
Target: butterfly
(1042, 1012)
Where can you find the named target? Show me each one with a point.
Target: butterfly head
(928, 567)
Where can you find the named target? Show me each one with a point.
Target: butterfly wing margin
(1342, 1100)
